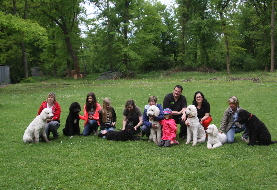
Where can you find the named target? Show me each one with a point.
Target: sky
(89, 10)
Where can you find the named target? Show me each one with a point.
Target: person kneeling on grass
(169, 129)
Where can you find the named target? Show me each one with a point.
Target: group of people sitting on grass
(172, 111)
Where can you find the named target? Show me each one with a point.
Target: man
(178, 104)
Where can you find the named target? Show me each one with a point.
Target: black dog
(123, 135)
(258, 132)
(72, 122)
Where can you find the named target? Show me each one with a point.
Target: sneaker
(245, 140)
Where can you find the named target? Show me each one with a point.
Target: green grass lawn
(94, 163)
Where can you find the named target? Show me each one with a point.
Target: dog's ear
(215, 130)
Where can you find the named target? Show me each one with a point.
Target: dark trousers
(183, 129)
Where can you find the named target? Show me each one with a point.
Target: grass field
(95, 163)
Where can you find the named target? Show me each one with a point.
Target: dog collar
(192, 117)
(250, 116)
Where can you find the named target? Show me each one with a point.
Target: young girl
(91, 114)
(107, 118)
(169, 129)
(54, 123)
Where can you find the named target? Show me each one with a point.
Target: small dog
(37, 127)
(155, 133)
(72, 122)
(123, 135)
(215, 139)
(258, 132)
(194, 129)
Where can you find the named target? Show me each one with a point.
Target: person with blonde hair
(107, 118)
(54, 123)
(152, 100)
(229, 123)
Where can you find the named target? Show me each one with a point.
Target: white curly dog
(215, 139)
(155, 133)
(37, 127)
(195, 131)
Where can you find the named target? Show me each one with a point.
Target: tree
(65, 13)
(15, 32)
(272, 29)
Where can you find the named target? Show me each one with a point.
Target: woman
(152, 100)
(229, 124)
(203, 109)
(91, 115)
(54, 123)
(132, 117)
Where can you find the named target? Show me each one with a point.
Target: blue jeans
(90, 127)
(107, 129)
(231, 133)
(145, 130)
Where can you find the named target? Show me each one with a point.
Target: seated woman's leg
(231, 135)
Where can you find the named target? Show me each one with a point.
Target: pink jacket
(169, 129)
(56, 109)
(95, 116)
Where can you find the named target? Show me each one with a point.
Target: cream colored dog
(195, 131)
(37, 127)
(155, 133)
(215, 139)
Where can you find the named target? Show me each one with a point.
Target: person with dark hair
(177, 103)
(203, 109)
(229, 123)
(152, 100)
(91, 115)
(54, 123)
(132, 117)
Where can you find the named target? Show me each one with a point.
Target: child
(107, 118)
(169, 129)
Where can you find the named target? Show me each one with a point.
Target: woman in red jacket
(91, 115)
(54, 123)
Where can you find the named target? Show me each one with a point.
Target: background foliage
(136, 35)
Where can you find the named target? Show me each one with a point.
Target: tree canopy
(137, 36)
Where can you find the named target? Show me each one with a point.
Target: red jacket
(95, 116)
(56, 109)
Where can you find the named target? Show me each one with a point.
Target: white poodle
(155, 133)
(195, 130)
(37, 127)
(215, 139)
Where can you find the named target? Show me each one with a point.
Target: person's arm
(139, 123)
(206, 116)
(184, 115)
(224, 122)
(145, 119)
(124, 122)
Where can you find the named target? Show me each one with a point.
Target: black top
(169, 102)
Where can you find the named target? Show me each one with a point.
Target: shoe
(55, 138)
(245, 140)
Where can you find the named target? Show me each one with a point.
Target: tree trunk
(272, 27)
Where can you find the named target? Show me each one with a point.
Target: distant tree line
(136, 35)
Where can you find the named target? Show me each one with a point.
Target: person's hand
(184, 117)
(187, 123)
